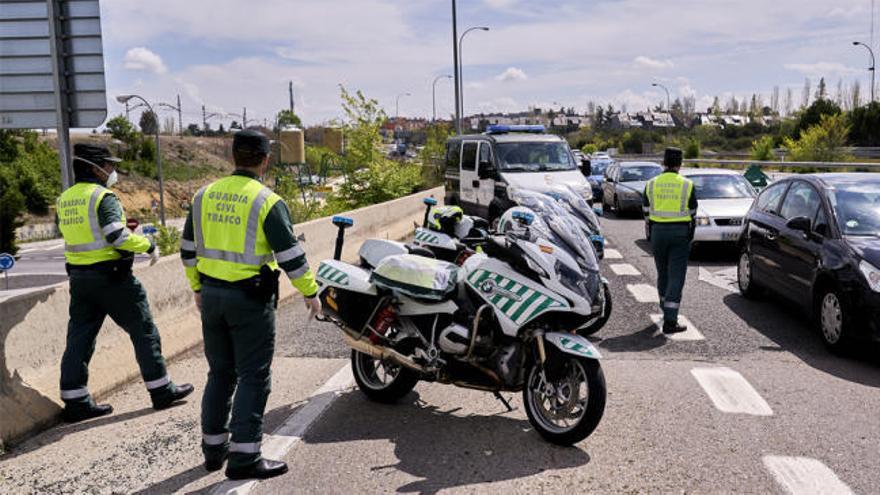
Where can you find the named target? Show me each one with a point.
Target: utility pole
(457, 75)
(179, 117)
(292, 105)
(244, 119)
(204, 119)
(127, 111)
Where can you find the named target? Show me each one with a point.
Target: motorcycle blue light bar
(504, 129)
(338, 221)
(430, 201)
(526, 218)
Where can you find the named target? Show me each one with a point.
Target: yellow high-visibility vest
(228, 218)
(668, 196)
(84, 242)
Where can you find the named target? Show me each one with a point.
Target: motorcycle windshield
(576, 205)
(563, 229)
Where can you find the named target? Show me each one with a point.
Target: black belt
(119, 267)
(262, 286)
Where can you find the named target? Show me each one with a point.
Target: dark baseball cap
(672, 157)
(251, 141)
(95, 153)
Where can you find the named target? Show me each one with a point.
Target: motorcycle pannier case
(416, 276)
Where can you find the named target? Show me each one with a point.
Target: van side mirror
(802, 224)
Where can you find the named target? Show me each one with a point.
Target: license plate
(730, 236)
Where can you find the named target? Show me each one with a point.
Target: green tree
(433, 154)
(287, 118)
(821, 143)
(814, 113)
(120, 128)
(692, 149)
(865, 122)
(149, 124)
(762, 149)
(589, 148)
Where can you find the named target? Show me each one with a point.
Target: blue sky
(227, 54)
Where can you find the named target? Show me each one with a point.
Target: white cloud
(141, 58)
(512, 74)
(499, 4)
(822, 69)
(650, 63)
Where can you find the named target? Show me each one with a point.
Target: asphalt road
(753, 403)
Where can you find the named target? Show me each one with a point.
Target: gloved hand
(313, 304)
(154, 256)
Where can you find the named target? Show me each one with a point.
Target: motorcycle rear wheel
(568, 409)
(382, 381)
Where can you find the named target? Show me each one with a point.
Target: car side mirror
(802, 224)
(608, 179)
(822, 229)
(486, 171)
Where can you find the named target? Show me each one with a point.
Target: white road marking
(730, 392)
(690, 334)
(612, 254)
(279, 443)
(624, 269)
(804, 476)
(644, 293)
(723, 279)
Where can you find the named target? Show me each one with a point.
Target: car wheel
(833, 319)
(744, 277)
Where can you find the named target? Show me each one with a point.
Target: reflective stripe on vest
(672, 205)
(249, 257)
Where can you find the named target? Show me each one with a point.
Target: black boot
(261, 470)
(176, 393)
(670, 327)
(214, 460)
(74, 414)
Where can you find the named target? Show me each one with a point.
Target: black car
(815, 239)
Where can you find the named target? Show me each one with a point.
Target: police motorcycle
(449, 234)
(568, 235)
(501, 322)
(582, 213)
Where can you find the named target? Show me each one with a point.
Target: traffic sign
(150, 229)
(6, 262)
(52, 60)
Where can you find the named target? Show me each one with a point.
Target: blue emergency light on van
(504, 129)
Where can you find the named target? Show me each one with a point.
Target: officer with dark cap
(237, 236)
(100, 250)
(670, 206)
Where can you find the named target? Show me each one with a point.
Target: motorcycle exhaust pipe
(377, 352)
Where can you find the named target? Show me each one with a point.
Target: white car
(724, 197)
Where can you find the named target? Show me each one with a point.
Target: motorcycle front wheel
(382, 381)
(565, 403)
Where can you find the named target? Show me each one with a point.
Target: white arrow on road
(723, 279)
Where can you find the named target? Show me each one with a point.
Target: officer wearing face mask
(100, 251)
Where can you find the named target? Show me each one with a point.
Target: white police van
(480, 167)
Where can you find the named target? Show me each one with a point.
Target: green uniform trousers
(94, 295)
(239, 333)
(671, 243)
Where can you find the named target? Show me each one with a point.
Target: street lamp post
(455, 69)
(397, 106)
(668, 105)
(179, 110)
(460, 63)
(871, 68)
(434, 95)
(124, 99)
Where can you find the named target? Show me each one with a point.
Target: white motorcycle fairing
(333, 273)
(572, 344)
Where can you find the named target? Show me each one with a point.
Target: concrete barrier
(33, 325)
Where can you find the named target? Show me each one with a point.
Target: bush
(812, 116)
(12, 205)
(148, 150)
(167, 240)
(821, 143)
(865, 124)
(762, 149)
(692, 149)
(589, 148)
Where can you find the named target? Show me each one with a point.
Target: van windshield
(534, 157)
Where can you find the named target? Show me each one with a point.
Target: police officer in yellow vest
(670, 205)
(236, 237)
(100, 250)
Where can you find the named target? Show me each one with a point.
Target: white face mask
(111, 179)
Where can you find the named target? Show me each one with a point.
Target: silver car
(724, 197)
(625, 184)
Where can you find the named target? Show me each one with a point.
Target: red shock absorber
(381, 323)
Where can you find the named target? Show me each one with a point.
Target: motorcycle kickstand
(503, 401)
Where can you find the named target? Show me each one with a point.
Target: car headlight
(631, 194)
(872, 275)
(703, 222)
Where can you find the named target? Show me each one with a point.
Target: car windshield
(721, 187)
(639, 173)
(599, 165)
(858, 208)
(534, 157)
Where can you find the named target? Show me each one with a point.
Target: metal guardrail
(777, 164)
